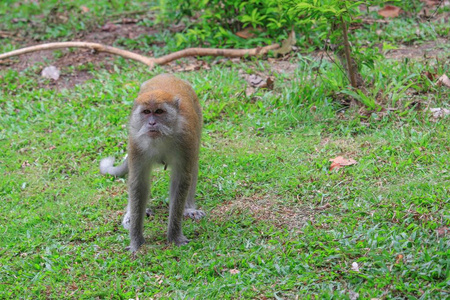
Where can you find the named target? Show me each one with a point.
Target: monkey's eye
(159, 111)
(146, 111)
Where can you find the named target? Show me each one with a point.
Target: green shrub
(215, 22)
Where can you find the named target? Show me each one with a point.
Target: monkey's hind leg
(190, 209)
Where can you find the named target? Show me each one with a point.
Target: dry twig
(149, 61)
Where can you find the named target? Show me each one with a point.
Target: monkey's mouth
(153, 133)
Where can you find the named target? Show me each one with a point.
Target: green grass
(279, 224)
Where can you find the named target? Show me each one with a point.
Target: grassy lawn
(279, 224)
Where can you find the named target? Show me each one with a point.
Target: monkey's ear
(142, 88)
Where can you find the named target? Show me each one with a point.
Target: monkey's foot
(178, 240)
(193, 213)
(126, 219)
(135, 244)
(149, 212)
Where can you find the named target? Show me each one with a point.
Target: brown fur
(161, 87)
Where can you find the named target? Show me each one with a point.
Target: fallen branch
(149, 61)
(214, 52)
(94, 46)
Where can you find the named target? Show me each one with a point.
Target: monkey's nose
(152, 123)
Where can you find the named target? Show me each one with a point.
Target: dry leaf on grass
(339, 162)
(109, 27)
(431, 76)
(51, 72)
(444, 80)
(234, 271)
(439, 112)
(255, 80)
(389, 11)
(258, 81)
(327, 205)
(399, 259)
(193, 66)
(431, 2)
(246, 33)
(269, 83)
(353, 295)
(355, 267)
(442, 231)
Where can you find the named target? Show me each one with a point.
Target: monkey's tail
(107, 167)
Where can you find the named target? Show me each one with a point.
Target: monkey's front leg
(138, 190)
(180, 182)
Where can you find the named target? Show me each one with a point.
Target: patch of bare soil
(264, 208)
(426, 50)
(283, 66)
(110, 32)
(76, 57)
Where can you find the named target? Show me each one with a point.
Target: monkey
(165, 127)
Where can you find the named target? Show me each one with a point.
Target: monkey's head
(154, 115)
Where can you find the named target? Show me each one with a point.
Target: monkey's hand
(193, 213)
(126, 219)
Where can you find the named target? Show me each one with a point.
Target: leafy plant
(216, 22)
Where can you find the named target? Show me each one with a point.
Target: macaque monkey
(165, 128)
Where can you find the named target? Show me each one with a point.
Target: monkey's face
(155, 115)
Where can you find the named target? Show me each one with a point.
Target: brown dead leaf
(259, 82)
(339, 162)
(442, 231)
(431, 76)
(127, 21)
(390, 11)
(177, 27)
(23, 150)
(438, 112)
(399, 258)
(5, 34)
(109, 27)
(234, 271)
(431, 2)
(246, 33)
(255, 80)
(327, 205)
(25, 164)
(52, 147)
(269, 82)
(84, 9)
(17, 20)
(249, 91)
(191, 67)
(444, 80)
(286, 45)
